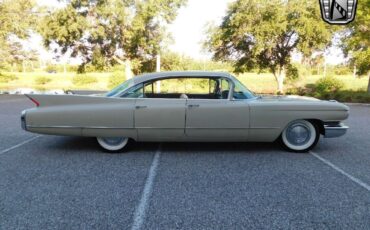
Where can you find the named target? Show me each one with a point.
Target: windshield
(122, 87)
(241, 92)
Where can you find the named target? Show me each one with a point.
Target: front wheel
(300, 136)
(113, 144)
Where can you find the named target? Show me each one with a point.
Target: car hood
(288, 98)
(303, 103)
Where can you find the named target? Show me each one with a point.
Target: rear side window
(170, 86)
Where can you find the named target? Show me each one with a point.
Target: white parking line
(352, 178)
(141, 209)
(18, 145)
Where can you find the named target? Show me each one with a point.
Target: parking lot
(49, 182)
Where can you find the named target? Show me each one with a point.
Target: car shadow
(73, 144)
(87, 144)
(222, 147)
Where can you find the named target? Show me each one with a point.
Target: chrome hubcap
(113, 141)
(298, 134)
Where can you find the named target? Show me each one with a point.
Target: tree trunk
(368, 86)
(128, 71)
(280, 80)
(280, 86)
(158, 63)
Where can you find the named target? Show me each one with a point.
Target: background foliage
(113, 37)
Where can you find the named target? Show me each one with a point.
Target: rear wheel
(113, 144)
(300, 136)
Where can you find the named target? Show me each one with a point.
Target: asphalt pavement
(52, 182)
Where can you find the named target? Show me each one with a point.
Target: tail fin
(42, 100)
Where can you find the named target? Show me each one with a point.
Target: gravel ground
(56, 182)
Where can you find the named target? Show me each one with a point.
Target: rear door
(160, 114)
(218, 119)
(160, 119)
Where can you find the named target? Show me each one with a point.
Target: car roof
(160, 75)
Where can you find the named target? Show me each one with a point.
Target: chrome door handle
(141, 107)
(193, 106)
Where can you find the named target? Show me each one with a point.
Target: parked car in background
(186, 106)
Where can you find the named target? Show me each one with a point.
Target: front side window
(135, 92)
(121, 88)
(241, 92)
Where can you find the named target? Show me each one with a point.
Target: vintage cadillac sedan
(186, 106)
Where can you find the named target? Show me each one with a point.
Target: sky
(189, 28)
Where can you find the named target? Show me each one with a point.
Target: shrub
(115, 79)
(342, 70)
(301, 91)
(42, 80)
(352, 96)
(83, 79)
(292, 73)
(328, 85)
(72, 68)
(5, 78)
(51, 69)
(118, 68)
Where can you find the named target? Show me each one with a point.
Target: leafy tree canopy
(16, 18)
(357, 40)
(263, 34)
(110, 31)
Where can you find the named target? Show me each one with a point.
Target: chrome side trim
(105, 127)
(265, 128)
(76, 127)
(335, 131)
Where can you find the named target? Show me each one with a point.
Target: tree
(16, 18)
(115, 30)
(357, 41)
(263, 34)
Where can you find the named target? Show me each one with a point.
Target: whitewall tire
(113, 144)
(300, 136)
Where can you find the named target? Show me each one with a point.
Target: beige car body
(260, 119)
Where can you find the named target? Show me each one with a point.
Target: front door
(217, 120)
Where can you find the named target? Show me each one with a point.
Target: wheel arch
(318, 123)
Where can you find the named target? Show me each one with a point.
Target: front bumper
(23, 120)
(337, 130)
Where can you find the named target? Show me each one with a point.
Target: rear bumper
(23, 120)
(335, 131)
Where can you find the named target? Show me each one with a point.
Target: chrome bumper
(23, 120)
(335, 131)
